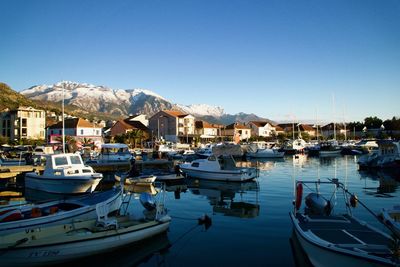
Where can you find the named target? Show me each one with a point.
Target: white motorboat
(69, 241)
(14, 218)
(266, 153)
(64, 174)
(222, 168)
(387, 155)
(332, 238)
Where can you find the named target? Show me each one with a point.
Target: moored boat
(338, 239)
(222, 168)
(266, 153)
(69, 241)
(15, 218)
(64, 174)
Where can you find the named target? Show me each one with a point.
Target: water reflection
(261, 164)
(229, 198)
(388, 182)
(177, 187)
(152, 250)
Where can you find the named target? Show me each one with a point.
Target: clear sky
(278, 59)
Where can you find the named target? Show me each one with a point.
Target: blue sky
(277, 59)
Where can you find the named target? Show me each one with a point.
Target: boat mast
(334, 120)
(63, 123)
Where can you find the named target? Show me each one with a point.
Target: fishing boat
(64, 174)
(14, 218)
(330, 237)
(266, 153)
(221, 168)
(60, 243)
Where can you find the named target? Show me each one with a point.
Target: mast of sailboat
(63, 123)
(334, 120)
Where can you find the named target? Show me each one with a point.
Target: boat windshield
(76, 160)
(59, 161)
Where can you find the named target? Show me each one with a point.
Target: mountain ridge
(124, 102)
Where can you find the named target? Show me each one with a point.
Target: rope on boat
(362, 204)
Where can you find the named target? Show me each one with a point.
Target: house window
(81, 131)
(24, 131)
(24, 123)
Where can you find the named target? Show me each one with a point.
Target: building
(262, 128)
(331, 129)
(173, 126)
(82, 131)
(128, 125)
(237, 131)
(207, 131)
(23, 123)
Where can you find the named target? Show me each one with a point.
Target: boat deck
(346, 232)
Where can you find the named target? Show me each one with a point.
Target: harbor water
(250, 224)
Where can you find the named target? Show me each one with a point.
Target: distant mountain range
(120, 102)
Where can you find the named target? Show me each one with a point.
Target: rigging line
(185, 233)
(182, 218)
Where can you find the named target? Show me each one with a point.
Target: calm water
(250, 221)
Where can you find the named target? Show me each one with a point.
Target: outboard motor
(148, 201)
(317, 205)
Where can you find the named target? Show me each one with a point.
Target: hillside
(11, 99)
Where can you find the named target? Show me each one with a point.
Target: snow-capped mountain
(113, 101)
(202, 110)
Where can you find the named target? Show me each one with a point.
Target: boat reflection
(229, 198)
(153, 249)
(177, 187)
(388, 182)
(8, 197)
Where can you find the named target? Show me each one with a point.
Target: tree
(372, 122)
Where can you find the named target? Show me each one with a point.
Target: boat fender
(299, 195)
(328, 208)
(353, 201)
(10, 215)
(36, 212)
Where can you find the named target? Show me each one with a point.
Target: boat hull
(76, 185)
(82, 246)
(234, 176)
(110, 198)
(324, 256)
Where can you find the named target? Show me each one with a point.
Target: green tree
(372, 122)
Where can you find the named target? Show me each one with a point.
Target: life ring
(299, 195)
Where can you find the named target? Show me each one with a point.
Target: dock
(9, 172)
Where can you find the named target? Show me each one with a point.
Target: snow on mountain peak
(202, 110)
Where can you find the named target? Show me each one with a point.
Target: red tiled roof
(175, 113)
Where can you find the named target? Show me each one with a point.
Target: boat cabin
(115, 152)
(66, 165)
